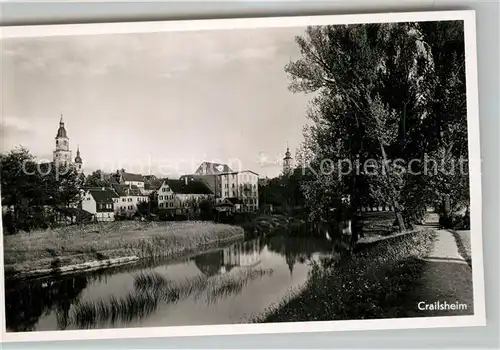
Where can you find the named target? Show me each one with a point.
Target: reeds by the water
(151, 289)
(73, 245)
(370, 285)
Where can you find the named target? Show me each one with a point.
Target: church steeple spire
(78, 159)
(287, 161)
(62, 153)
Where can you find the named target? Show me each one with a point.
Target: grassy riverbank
(372, 284)
(72, 245)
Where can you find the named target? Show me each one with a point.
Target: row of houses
(228, 190)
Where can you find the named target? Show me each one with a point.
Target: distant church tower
(78, 160)
(287, 163)
(62, 154)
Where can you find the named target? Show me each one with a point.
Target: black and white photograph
(256, 173)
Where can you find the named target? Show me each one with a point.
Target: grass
(71, 245)
(265, 224)
(462, 237)
(372, 284)
(151, 289)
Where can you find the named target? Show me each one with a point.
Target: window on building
(130, 199)
(161, 197)
(130, 207)
(226, 186)
(124, 200)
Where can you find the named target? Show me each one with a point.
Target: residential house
(100, 203)
(129, 197)
(248, 189)
(243, 185)
(232, 204)
(151, 184)
(210, 180)
(70, 215)
(179, 197)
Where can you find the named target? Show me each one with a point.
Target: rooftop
(191, 187)
(208, 168)
(103, 195)
(132, 177)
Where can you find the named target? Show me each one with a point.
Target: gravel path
(446, 280)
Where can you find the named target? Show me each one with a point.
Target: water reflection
(228, 278)
(153, 289)
(27, 302)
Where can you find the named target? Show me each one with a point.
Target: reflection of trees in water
(210, 263)
(27, 301)
(297, 250)
(152, 289)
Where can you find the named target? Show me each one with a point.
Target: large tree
(366, 77)
(95, 179)
(393, 95)
(30, 189)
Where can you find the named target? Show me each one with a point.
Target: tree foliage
(30, 189)
(95, 179)
(384, 93)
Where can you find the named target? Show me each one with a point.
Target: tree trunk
(397, 210)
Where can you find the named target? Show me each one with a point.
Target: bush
(461, 222)
(446, 222)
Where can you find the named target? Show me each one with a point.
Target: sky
(157, 103)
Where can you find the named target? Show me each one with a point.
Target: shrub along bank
(371, 284)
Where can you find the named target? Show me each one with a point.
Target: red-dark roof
(209, 180)
(150, 177)
(191, 187)
(126, 190)
(132, 177)
(103, 196)
(73, 211)
(153, 185)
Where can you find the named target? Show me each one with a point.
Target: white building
(129, 197)
(100, 203)
(179, 197)
(229, 185)
(248, 189)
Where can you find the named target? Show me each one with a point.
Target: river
(226, 285)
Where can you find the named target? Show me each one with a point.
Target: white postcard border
(479, 317)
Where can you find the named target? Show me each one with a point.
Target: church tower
(78, 160)
(62, 154)
(287, 163)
